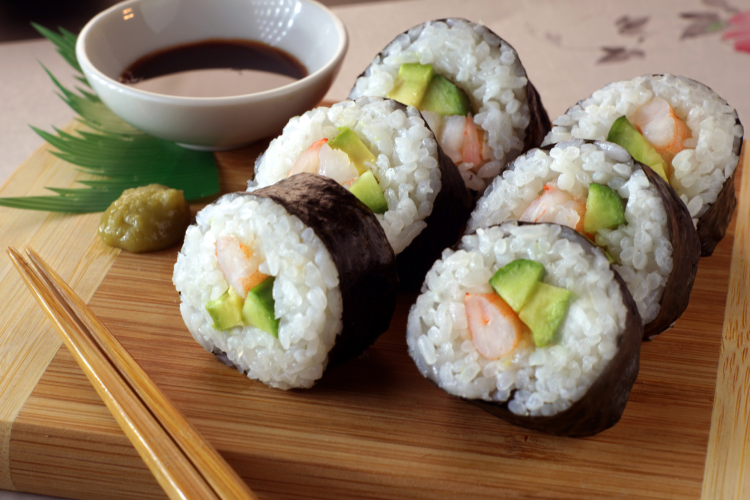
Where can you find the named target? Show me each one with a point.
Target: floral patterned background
(718, 18)
(570, 48)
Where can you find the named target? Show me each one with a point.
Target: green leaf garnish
(65, 43)
(123, 156)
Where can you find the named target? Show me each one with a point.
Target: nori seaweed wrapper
(445, 225)
(713, 224)
(365, 261)
(686, 251)
(539, 122)
(602, 405)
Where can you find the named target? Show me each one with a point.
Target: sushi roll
(677, 126)
(531, 323)
(282, 281)
(598, 189)
(383, 152)
(471, 88)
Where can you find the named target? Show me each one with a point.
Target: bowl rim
(91, 71)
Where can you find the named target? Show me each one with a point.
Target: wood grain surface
(727, 473)
(27, 341)
(372, 427)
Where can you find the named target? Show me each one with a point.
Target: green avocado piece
(226, 311)
(445, 98)
(258, 310)
(515, 281)
(348, 142)
(544, 311)
(411, 83)
(604, 209)
(626, 135)
(367, 189)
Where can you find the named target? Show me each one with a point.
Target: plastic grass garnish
(123, 156)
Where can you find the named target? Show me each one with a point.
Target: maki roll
(677, 126)
(383, 152)
(598, 189)
(281, 281)
(530, 322)
(471, 88)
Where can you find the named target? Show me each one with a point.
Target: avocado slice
(604, 209)
(515, 281)
(626, 135)
(258, 310)
(445, 98)
(544, 311)
(411, 83)
(349, 142)
(226, 311)
(367, 189)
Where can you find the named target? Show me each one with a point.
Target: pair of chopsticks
(185, 465)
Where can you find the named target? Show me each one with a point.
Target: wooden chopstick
(184, 464)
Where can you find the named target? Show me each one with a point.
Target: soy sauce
(214, 68)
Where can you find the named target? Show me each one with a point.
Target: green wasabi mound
(624, 134)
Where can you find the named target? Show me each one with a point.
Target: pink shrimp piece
(309, 160)
(239, 264)
(556, 206)
(495, 328)
(471, 149)
(657, 122)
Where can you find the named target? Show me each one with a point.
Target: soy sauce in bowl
(214, 68)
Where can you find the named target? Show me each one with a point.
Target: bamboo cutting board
(371, 428)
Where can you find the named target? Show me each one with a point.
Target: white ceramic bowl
(119, 36)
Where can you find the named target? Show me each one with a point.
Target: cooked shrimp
(309, 160)
(657, 122)
(471, 149)
(239, 264)
(495, 328)
(556, 206)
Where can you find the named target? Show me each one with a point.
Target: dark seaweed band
(351, 233)
(450, 211)
(359, 248)
(713, 224)
(686, 251)
(603, 403)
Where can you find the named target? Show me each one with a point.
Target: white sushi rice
(305, 291)
(546, 380)
(641, 246)
(709, 160)
(406, 167)
(477, 61)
